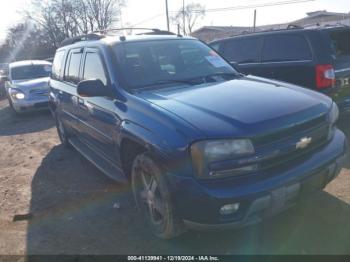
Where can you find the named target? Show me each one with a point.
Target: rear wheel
(62, 133)
(153, 198)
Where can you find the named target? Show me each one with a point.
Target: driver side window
(93, 67)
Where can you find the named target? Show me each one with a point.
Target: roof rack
(86, 37)
(97, 35)
(292, 26)
(153, 31)
(318, 25)
(289, 27)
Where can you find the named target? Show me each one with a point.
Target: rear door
(245, 52)
(65, 85)
(288, 57)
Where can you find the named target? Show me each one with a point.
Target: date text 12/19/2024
(173, 258)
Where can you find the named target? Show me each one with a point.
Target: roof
(281, 31)
(222, 28)
(29, 62)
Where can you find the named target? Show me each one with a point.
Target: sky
(151, 13)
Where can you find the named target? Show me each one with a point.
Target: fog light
(229, 209)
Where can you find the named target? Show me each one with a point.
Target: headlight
(206, 152)
(17, 94)
(333, 114)
(20, 96)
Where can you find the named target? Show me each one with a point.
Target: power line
(147, 20)
(232, 8)
(268, 4)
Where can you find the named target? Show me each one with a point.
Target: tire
(62, 133)
(12, 107)
(153, 198)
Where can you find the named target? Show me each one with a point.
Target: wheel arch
(135, 140)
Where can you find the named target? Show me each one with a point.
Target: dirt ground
(52, 201)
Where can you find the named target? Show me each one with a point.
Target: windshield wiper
(234, 75)
(163, 82)
(170, 81)
(191, 81)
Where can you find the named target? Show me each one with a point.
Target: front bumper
(259, 195)
(30, 105)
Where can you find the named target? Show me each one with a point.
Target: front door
(245, 53)
(98, 117)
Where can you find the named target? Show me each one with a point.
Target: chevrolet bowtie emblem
(304, 143)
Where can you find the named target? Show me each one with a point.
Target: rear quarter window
(286, 47)
(57, 65)
(340, 41)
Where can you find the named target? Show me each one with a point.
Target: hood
(29, 83)
(26, 85)
(242, 107)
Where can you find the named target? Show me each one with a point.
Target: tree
(26, 41)
(68, 18)
(193, 13)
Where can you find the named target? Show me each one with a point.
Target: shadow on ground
(75, 210)
(31, 122)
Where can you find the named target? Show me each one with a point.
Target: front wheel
(12, 107)
(152, 196)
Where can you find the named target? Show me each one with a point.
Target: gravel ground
(52, 201)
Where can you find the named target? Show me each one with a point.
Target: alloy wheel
(151, 197)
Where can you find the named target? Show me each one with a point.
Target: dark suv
(316, 58)
(202, 145)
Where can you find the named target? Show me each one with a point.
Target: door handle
(81, 102)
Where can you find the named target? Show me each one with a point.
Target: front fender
(173, 156)
(144, 137)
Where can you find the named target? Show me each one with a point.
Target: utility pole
(183, 16)
(121, 20)
(254, 24)
(167, 14)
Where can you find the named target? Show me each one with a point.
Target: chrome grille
(290, 154)
(38, 93)
(289, 132)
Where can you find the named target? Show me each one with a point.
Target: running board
(104, 165)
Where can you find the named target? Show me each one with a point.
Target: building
(323, 18)
(210, 33)
(317, 18)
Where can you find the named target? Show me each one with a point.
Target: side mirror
(92, 88)
(235, 65)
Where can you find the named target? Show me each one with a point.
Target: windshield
(155, 63)
(30, 72)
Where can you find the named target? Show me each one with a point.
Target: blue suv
(203, 145)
